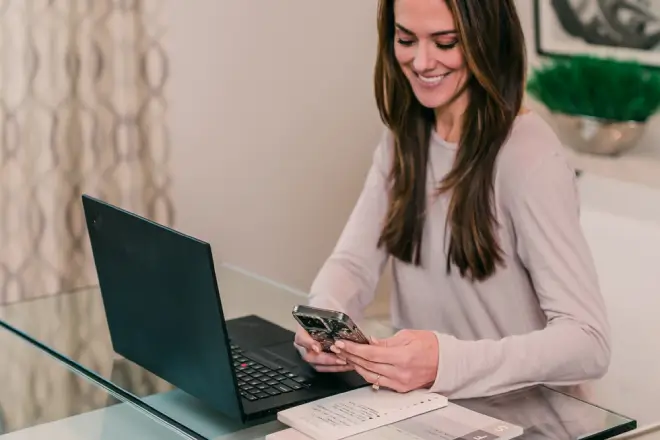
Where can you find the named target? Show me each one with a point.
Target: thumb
(398, 340)
(303, 339)
(378, 342)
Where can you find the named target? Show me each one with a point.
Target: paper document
(343, 415)
(450, 423)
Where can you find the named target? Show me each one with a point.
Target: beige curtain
(82, 110)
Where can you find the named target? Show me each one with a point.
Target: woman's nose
(423, 61)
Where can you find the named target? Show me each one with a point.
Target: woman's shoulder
(532, 153)
(532, 163)
(532, 139)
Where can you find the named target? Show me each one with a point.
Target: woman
(471, 199)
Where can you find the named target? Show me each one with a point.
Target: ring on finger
(376, 384)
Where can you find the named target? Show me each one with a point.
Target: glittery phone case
(327, 326)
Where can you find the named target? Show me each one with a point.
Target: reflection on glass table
(41, 398)
(74, 325)
(545, 413)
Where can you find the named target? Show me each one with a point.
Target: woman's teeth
(432, 80)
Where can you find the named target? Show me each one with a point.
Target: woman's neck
(449, 120)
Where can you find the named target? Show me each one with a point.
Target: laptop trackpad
(287, 356)
(284, 355)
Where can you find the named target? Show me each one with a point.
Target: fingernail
(334, 349)
(340, 344)
(341, 362)
(316, 348)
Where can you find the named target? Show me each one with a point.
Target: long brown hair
(493, 45)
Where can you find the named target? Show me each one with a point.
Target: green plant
(602, 88)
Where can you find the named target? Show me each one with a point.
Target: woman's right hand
(321, 361)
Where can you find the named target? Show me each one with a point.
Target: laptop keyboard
(258, 381)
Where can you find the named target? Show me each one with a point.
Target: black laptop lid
(162, 304)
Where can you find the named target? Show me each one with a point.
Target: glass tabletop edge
(106, 385)
(630, 425)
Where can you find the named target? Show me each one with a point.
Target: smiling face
(426, 47)
(428, 50)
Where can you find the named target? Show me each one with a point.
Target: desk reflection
(544, 413)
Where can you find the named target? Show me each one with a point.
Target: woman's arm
(347, 281)
(575, 345)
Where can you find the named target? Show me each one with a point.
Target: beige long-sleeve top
(539, 320)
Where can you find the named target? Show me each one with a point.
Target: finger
(383, 381)
(377, 353)
(305, 347)
(303, 339)
(379, 342)
(375, 341)
(383, 369)
(401, 338)
(323, 358)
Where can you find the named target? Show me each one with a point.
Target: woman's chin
(435, 99)
(432, 102)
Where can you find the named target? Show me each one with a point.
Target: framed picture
(622, 29)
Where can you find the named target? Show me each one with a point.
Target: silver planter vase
(597, 136)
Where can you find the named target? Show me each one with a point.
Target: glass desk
(40, 398)
(73, 326)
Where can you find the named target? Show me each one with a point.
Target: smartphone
(328, 326)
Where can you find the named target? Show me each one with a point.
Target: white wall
(526, 12)
(273, 127)
(622, 225)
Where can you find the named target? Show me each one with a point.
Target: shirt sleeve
(575, 344)
(347, 281)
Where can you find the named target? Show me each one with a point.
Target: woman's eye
(405, 43)
(446, 46)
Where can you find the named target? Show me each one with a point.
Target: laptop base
(271, 347)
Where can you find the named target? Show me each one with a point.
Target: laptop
(164, 312)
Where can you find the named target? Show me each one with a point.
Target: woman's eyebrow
(434, 34)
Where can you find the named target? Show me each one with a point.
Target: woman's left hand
(404, 362)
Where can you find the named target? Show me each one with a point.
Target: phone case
(328, 326)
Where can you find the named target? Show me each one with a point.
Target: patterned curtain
(82, 110)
